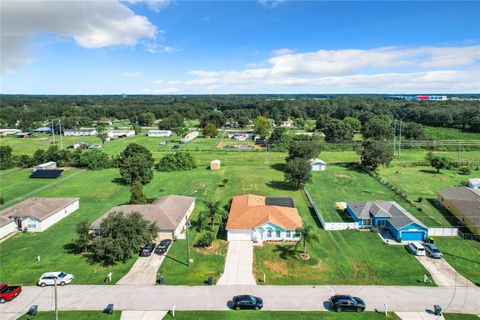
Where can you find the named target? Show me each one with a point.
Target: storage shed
(46, 166)
(317, 165)
(215, 165)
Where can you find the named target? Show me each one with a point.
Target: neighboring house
(159, 133)
(104, 122)
(260, 219)
(43, 130)
(474, 183)
(115, 134)
(317, 165)
(80, 145)
(170, 213)
(36, 214)
(80, 132)
(8, 132)
(189, 137)
(240, 135)
(215, 165)
(463, 203)
(23, 134)
(287, 124)
(45, 166)
(387, 214)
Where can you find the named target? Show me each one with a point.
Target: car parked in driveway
(8, 293)
(62, 278)
(343, 302)
(416, 248)
(147, 250)
(163, 246)
(247, 302)
(432, 251)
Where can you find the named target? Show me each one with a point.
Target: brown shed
(215, 165)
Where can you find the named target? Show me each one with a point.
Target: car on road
(8, 293)
(247, 302)
(432, 251)
(163, 246)
(147, 250)
(62, 278)
(416, 248)
(343, 302)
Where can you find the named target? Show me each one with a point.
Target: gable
(412, 226)
(271, 225)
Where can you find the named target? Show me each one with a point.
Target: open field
(425, 182)
(349, 183)
(463, 255)
(439, 133)
(460, 316)
(280, 315)
(74, 315)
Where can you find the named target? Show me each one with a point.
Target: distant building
(23, 134)
(317, 165)
(104, 122)
(189, 137)
(9, 132)
(464, 203)
(287, 124)
(241, 135)
(45, 166)
(474, 183)
(215, 165)
(80, 132)
(43, 130)
(115, 134)
(159, 133)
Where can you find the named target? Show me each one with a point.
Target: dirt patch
(355, 272)
(278, 267)
(214, 248)
(341, 176)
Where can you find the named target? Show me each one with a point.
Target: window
(288, 234)
(269, 233)
(367, 222)
(31, 224)
(278, 234)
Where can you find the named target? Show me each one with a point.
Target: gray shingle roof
(465, 200)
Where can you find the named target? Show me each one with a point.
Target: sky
(230, 47)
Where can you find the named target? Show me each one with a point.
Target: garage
(239, 235)
(412, 235)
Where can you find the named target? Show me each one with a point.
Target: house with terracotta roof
(257, 218)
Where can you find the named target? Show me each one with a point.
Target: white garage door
(245, 235)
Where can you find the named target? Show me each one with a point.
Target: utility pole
(400, 139)
(187, 225)
(56, 299)
(53, 133)
(266, 151)
(394, 134)
(60, 132)
(458, 152)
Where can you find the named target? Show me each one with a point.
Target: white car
(48, 278)
(416, 248)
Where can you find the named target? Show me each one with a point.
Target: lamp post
(187, 225)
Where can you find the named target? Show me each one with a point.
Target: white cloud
(154, 5)
(270, 3)
(131, 74)
(155, 47)
(281, 52)
(161, 91)
(92, 24)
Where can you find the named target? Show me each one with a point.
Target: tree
(210, 130)
(180, 131)
(297, 172)
(135, 163)
(378, 128)
(216, 117)
(84, 236)
(173, 121)
(338, 131)
(439, 163)
(212, 213)
(353, 122)
(243, 122)
(121, 236)
(262, 126)
(136, 193)
(179, 161)
(94, 159)
(24, 161)
(305, 149)
(205, 240)
(375, 153)
(300, 123)
(39, 157)
(307, 235)
(6, 158)
(102, 133)
(146, 119)
(413, 130)
(322, 121)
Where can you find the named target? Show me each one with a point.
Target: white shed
(317, 165)
(46, 166)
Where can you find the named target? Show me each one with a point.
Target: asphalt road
(150, 298)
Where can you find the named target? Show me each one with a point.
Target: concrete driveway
(238, 264)
(443, 273)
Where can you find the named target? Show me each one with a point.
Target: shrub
(179, 161)
(24, 161)
(465, 170)
(205, 240)
(420, 199)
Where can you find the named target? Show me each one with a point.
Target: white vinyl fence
(442, 232)
(329, 225)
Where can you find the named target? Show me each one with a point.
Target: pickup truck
(8, 293)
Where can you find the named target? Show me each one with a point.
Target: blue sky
(176, 47)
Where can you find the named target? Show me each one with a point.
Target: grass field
(74, 315)
(426, 184)
(460, 316)
(280, 315)
(349, 183)
(463, 255)
(438, 133)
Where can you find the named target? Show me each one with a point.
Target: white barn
(36, 214)
(159, 133)
(8, 132)
(80, 132)
(317, 165)
(189, 137)
(115, 134)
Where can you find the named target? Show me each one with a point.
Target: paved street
(238, 264)
(158, 298)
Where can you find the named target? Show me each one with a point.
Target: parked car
(147, 250)
(247, 302)
(432, 251)
(48, 278)
(343, 302)
(163, 246)
(8, 293)
(416, 248)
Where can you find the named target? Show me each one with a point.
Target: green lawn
(74, 315)
(349, 183)
(280, 315)
(425, 182)
(460, 316)
(463, 255)
(438, 133)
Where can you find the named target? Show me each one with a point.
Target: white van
(416, 248)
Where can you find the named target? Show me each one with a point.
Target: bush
(420, 199)
(2, 201)
(205, 240)
(24, 161)
(465, 170)
(179, 161)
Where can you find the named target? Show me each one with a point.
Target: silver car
(432, 251)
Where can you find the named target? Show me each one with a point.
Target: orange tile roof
(249, 211)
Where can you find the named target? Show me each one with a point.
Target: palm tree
(212, 213)
(307, 235)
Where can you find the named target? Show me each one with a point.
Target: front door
(19, 224)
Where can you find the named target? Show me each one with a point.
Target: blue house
(387, 215)
(43, 130)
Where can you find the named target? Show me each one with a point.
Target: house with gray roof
(169, 213)
(389, 215)
(463, 203)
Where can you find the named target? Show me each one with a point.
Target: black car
(247, 302)
(163, 246)
(147, 250)
(341, 302)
